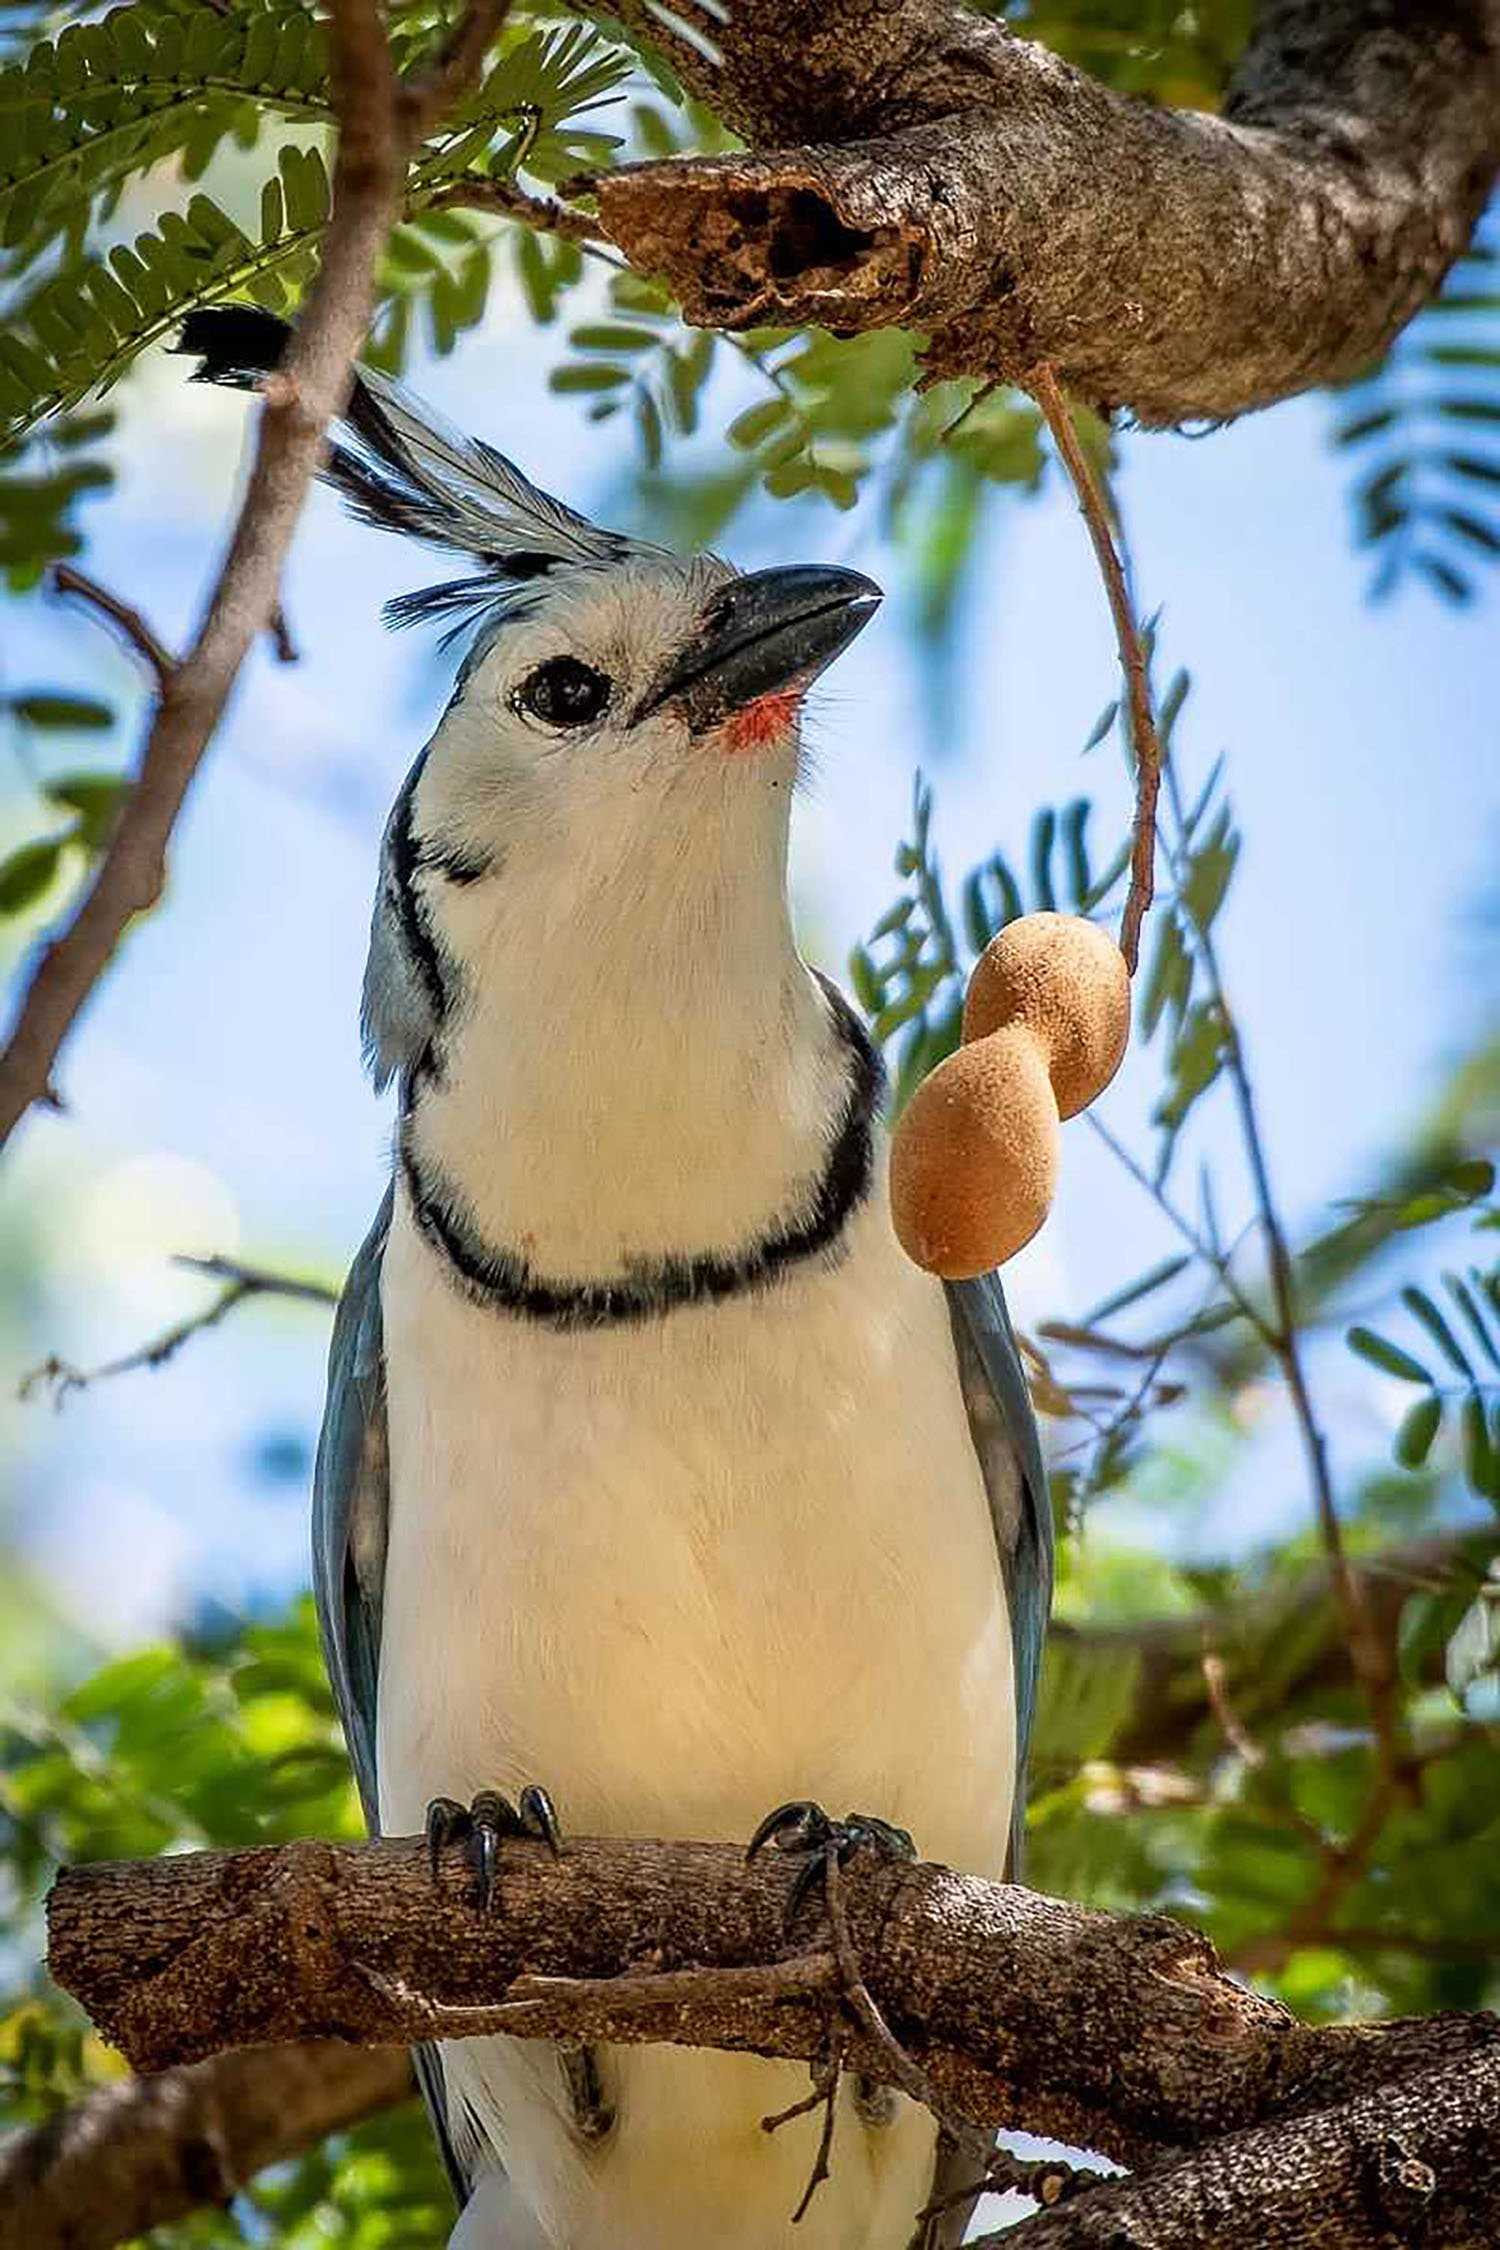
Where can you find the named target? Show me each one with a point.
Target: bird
(657, 1490)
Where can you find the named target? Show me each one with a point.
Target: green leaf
(1419, 1426)
(1170, 981)
(1144, 1285)
(1388, 1357)
(866, 982)
(1470, 1304)
(1102, 725)
(1075, 821)
(1197, 1058)
(613, 336)
(759, 421)
(1422, 1308)
(27, 873)
(1480, 1454)
(587, 378)
(96, 799)
(76, 712)
(1043, 835)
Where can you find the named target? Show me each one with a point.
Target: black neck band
(652, 1287)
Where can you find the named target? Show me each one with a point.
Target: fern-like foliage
(1451, 1354)
(110, 98)
(86, 324)
(1424, 431)
(114, 98)
(911, 972)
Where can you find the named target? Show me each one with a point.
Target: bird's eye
(564, 692)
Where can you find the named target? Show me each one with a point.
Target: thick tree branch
(134, 2156)
(956, 178)
(1122, 2035)
(1411, 2163)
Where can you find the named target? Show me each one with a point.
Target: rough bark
(136, 2155)
(953, 177)
(1409, 2165)
(1111, 2033)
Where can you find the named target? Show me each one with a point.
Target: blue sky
(216, 1099)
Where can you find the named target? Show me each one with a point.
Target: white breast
(679, 1572)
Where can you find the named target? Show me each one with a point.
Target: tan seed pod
(974, 1159)
(975, 1156)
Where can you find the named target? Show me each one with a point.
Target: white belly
(678, 1573)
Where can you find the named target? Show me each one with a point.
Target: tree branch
(65, 579)
(541, 212)
(238, 1284)
(1117, 2034)
(1145, 744)
(956, 178)
(299, 403)
(134, 2156)
(1414, 2162)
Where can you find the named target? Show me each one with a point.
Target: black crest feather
(400, 469)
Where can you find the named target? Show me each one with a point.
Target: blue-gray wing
(351, 1507)
(1004, 1429)
(351, 1502)
(1003, 1426)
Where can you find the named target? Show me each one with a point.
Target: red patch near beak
(762, 722)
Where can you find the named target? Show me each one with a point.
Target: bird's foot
(482, 1826)
(803, 1830)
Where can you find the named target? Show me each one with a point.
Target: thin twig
(905, 2072)
(65, 579)
(540, 212)
(1216, 1260)
(1144, 740)
(827, 2076)
(1231, 1725)
(532, 2003)
(240, 1284)
(1283, 1340)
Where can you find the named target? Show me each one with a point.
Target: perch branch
(1118, 2034)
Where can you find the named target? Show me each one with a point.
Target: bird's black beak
(770, 633)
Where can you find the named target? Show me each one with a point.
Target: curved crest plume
(400, 468)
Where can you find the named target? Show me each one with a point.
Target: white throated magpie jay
(651, 1470)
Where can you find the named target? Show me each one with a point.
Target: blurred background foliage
(1205, 1744)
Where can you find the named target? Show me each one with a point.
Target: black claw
(802, 1828)
(798, 1826)
(809, 1875)
(446, 1821)
(539, 1818)
(482, 1826)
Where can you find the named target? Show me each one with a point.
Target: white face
(545, 749)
